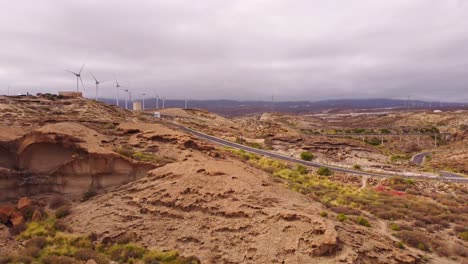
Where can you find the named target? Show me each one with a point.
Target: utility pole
(163, 102)
(8, 90)
(185, 107)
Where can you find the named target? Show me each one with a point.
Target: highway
(271, 154)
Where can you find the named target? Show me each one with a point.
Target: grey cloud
(240, 49)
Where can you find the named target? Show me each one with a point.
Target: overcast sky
(239, 49)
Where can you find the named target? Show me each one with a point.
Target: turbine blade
(82, 68)
(72, 72)
(82, 85)
(94, 77)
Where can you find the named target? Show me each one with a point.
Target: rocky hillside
(128, 175)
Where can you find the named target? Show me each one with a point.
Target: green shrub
(341, 217)
(39, 228)
(59, 260)
(463, 235)
(323, 214)
(307, 156)
(394, 227)
(255, 145)
(124, 239)
(385, 131)
(61, 225)
(109, 126)
(165, 256)
(374, 141)
(324, 171)
(127, 152)
(362, 221)
(400, 245)
(62, 211)
(86, 254)
(357, 167)
(301, 169)
(358, 130)
(144, 157)
(124, 253)
(90, 193)
(415, 239)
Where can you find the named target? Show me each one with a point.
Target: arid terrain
(86, 182)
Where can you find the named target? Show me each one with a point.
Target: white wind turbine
(97, 84)
(117, 86)
(128, 99)
(78, 77)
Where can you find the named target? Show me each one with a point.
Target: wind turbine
(129, 98)
(97, 84)
(157, 99)
(78, 77)
(117, 86)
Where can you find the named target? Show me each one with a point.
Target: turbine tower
(117, 86)
(143, 106)
(97, 84)
(157, 99)
(78, 77)
(129, 98)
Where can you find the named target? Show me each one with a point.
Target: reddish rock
(17, 218)
(5, 213)
(24, 205)
(37, 215)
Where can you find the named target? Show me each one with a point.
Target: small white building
(137, 106)
(437, 111)
(157, 114)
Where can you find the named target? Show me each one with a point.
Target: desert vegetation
(423, 217)
(47, 241)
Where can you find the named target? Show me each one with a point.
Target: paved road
(271, 154)
(418, 159)
(451, 175)
(379, 135)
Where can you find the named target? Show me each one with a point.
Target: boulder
(17, 218)
(24, 205)
(5, 213)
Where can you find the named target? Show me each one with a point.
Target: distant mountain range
(235, 108)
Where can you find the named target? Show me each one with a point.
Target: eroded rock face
(7, 159)
(44, 157)
(65, 158)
